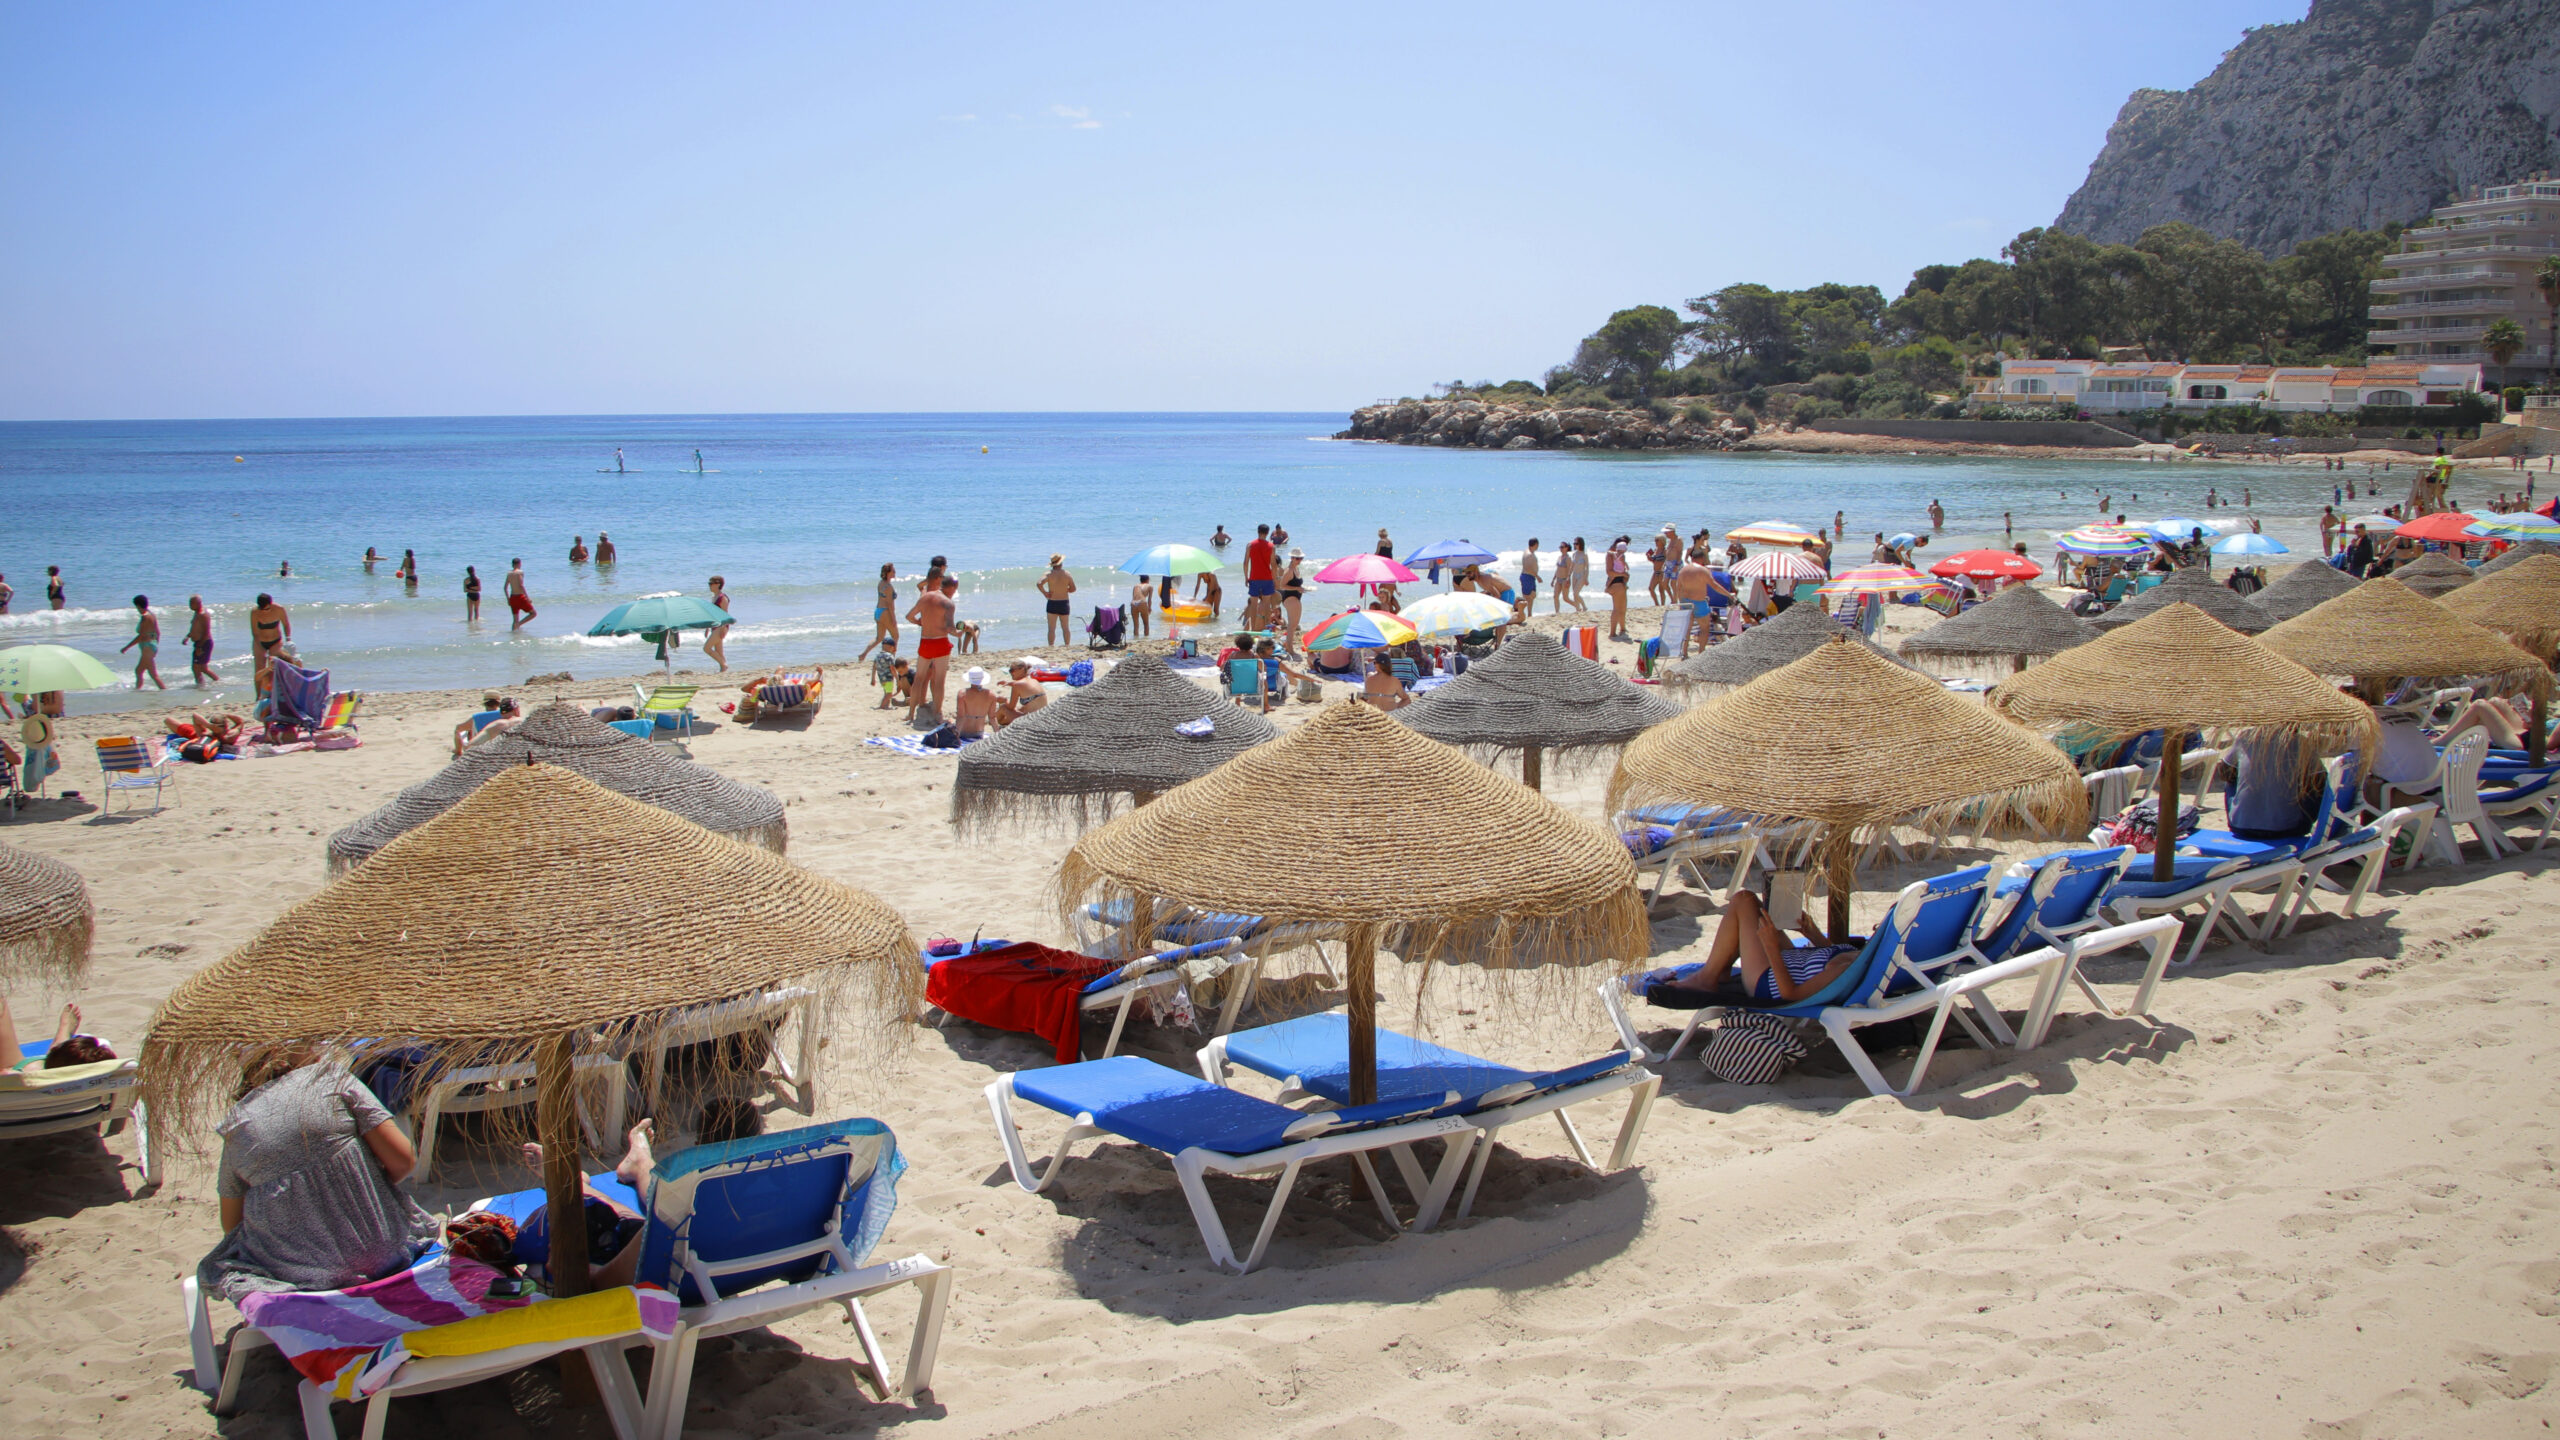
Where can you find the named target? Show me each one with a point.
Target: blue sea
(798, 512)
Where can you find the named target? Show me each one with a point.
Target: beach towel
(301, 696)
(914, 745)
(783, 696)
(1582, 640)
(1023, 987)
(352, 1342)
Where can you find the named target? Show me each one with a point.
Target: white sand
(2315, 1200)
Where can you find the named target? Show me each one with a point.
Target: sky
(479, 209)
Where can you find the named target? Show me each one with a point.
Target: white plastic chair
(2458, 803)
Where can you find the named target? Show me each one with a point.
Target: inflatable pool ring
(1187, 614)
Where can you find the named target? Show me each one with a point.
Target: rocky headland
(1481, 425)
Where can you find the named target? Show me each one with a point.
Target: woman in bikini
(1750, 962)
(1142, 607)
(884, 613)
(1615, 564)
(715, 641)
(1293, 595)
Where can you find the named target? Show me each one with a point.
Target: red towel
(1023, 987)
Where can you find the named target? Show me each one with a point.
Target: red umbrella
(1365, 570)
(2444, 525)
(1989, 565)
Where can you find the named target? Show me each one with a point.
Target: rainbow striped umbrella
(1362, 630)
(1456, 613)
(1771, 532)
(2103, 540)
(1883, 580)
(2515, 527)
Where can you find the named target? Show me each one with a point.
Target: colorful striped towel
(783, 697)
(352, 1342)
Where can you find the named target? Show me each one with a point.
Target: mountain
(2359, 114)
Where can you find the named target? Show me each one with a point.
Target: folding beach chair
(1311, 1057)
(128, 763)
(668, 707)
(1101, 927)
(298, 699)
(1202, 1128)
(101, 1095)
(2053, 902)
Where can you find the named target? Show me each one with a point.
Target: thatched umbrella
(1396, 845)
(45, 919)
(1533, 696)
(2521, 602)
(1072, 759)
(1851, 741)
(2179, 671)
(537, 912)
(2016, 625)
(2382, 630)
(2434, 574)
(2190, 587)
(562, 734)
(2302, 587)
(2517, 554)
(1772, 644)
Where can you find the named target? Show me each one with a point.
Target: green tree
(1746, 320)
(1974, 301)
(2504, 340)
(2201, 298)
(2068, 293)
(1836, 325)
(2334, 276)
(1630, 347)
(2546, 278)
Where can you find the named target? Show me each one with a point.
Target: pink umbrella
(1365, 570)
(1782, 567)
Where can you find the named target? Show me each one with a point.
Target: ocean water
(798, 512)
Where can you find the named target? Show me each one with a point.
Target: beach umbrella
(2016, 625)
(652, 616)
(1075, 758)
(2191, 587)
(1773, 643)
(1883, 580)
(2433, 574)
(2517, 554)
(2383, 630)
(1365, 570)
(2300, 588)
(1455, 554)
(1394, 847)
(2176, 528)
(1771, 532)
(1851, 741)
(1534, 696)
(561, 734)
(2250, 543)
(1361, 630)
(2376, 521)
(35, 669)
(2521, 602)
(1988, 565)
(1170, 560)
(540, 916)
(2103, 540)
(2512, 527)
(1456, 613)
(2178, 670)
(2446, 526)
(1782, 569)
(45, 920)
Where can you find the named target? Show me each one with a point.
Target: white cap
(977, 676)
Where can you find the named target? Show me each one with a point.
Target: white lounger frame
(799, 1065)
(1192, 1167)
(98, 1103)
(671, 1372)
(442, 1095)
(2221, 911)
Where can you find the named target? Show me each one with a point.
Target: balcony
(2468, 250)
(2395, 284)
(2438, 307)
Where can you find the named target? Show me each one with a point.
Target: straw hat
(2181, 669)
(1073, 760)
(541, 905)
(2433, 574)
(1767, 646)
(564, 735)
(1848, 739)
(2382, 629)
(1441, 856)
(2302, 587)
(1534, 693)
(45, 919)
(2191, 587)
(2517, 554)
(2019, 622)
(2521, 602)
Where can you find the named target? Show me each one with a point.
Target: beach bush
(2514, 396)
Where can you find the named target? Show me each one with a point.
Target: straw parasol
(2177, 671)
(1071, 760)
(535, 913)
(2016, 625)
(2383, 630)
(2302, 587)
(564, 735)
(1774, 643)
(1533, 696)
(1852, 740)
(45, 918)
(2517, 554)
(2521, 602)
(2190, 587)
(2434, 574)
(1397, 849)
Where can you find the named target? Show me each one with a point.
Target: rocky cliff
(2362, 113)
(1519, 427)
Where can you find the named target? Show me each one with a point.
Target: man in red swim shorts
(932, 618)
(518, 603)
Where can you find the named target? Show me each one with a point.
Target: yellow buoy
(982, 449)
(236, 460)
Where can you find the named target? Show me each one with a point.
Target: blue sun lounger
(1311, 1056)
(1202, 1128)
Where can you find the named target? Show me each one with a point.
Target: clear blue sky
(243, 210)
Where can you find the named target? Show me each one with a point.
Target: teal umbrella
(35, 669)
(652, 618)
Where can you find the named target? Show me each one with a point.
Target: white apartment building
(2114, 387)
(2469, 266)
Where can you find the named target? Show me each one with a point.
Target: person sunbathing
(2508, 725)
(1337, 664)
(1384, 689)
(1750, 962)
(69, 1046)
(464, 737)
(613, 1236)
(975, 711)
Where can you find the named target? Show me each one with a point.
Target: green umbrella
(651, 618)
(34, 669)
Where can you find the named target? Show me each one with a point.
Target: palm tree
(2546, 278)
(2503, 339)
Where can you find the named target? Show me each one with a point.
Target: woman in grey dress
(311, 1167)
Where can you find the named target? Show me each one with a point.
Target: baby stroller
(1109, 628)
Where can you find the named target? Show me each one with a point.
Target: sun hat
(977, 676)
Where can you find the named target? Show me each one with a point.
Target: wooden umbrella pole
(1363, 948)
(1842, 883)
(1533, 769)
(2533, 742)
(2017, 664)
(1138, 798)
(2171, 793)
(556, 1122)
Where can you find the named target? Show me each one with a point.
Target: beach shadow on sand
(51, 810)
(56, 1176)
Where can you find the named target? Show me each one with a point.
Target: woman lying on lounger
(70, 1047)
(613, 1229)
(1751, 962)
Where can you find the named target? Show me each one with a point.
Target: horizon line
(647, 415)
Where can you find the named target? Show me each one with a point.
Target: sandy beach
(2315, 1198)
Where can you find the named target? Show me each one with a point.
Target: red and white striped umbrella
(1782, 567)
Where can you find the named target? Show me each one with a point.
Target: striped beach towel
(1582, 640)
(914, 745)
(783, 697)
(352, 1342)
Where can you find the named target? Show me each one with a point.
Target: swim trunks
(1702, 609)
(1057, 607)
(1528, 583)
(204, 651)
(932, 649)
(1259, 587)
(520, 602)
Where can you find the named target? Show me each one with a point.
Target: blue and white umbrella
(2177, 527)
(2251, 544)
(1451, 553)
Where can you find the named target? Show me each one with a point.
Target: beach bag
(943, 737)
(1310, 693)
(1750, 1048)
(2139, 826)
